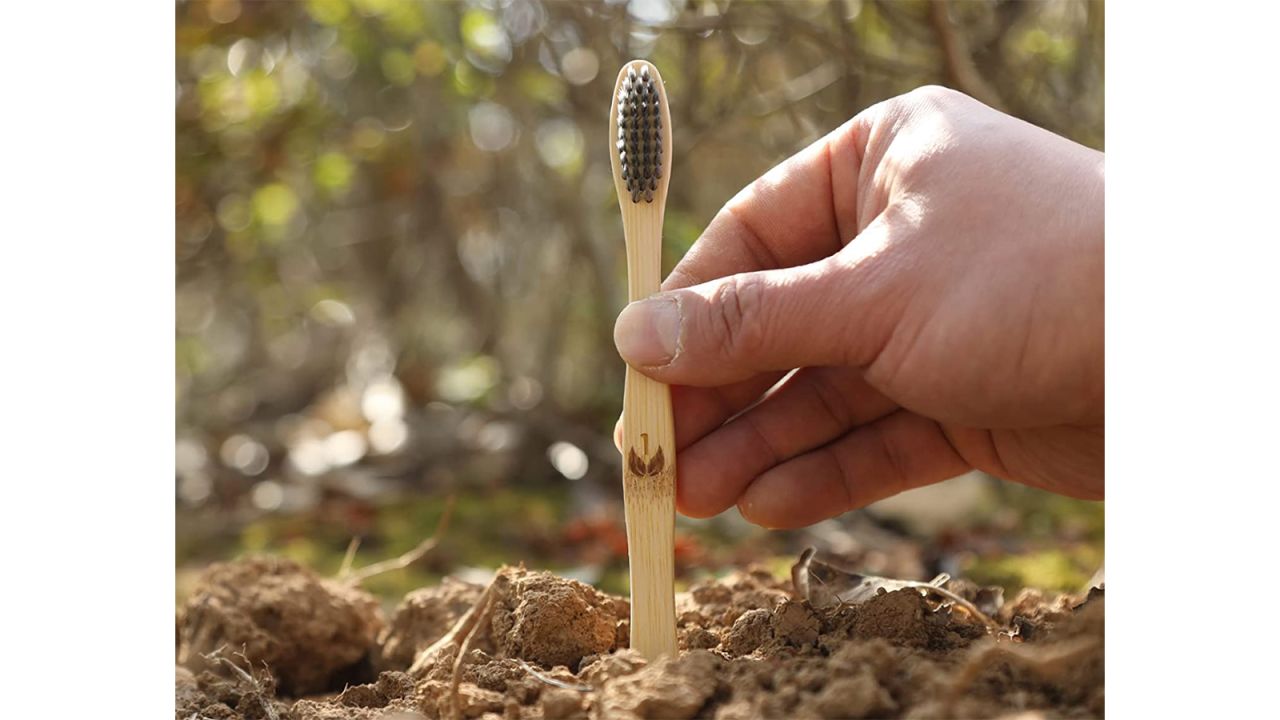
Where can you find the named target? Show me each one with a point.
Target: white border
(1193, 367)
(87, 410)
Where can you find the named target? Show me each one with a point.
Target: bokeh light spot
(382, 400)
(429, 58)
(388, 436)
(333, 312)
(560, 144)
(485, 36)
(274, 204)
(333, 171)
(224, 11)
(398, 67)
(492, 127)
(234, 212)
(241, 52)
(267, 495)
(195, 488)
(580, 66)
(569, 460)
(368, 133)
(345, 447)
(468, 381)
(328, 12)
(243, 453)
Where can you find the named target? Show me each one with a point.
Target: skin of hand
(934, 269)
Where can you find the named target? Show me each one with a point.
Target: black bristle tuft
(640, 134)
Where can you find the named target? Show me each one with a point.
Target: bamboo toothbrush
(640, 131)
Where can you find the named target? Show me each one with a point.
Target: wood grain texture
(647, 426)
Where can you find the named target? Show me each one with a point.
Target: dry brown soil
(267, 638)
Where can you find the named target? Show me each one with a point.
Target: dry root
(217, 657)
(396, 563)
(481, 612)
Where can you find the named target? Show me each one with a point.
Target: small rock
(598, 669)
(667, 689)
(562, 704)
(474, 701)
(853, 697)
(749, 632)
(551, 620)
(696, 638)
(897, 617)
(795, 622)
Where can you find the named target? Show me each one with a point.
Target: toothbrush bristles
(640, 134)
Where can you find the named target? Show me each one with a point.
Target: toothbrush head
(641, 115)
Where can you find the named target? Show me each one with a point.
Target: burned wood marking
(642, 465)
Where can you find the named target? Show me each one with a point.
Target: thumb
(735, 327)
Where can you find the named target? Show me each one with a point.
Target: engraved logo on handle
(643, 465)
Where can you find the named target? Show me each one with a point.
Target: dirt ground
(267, 638)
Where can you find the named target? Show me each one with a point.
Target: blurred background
(399, 258)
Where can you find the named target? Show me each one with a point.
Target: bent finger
(813, 407)
(895, 453)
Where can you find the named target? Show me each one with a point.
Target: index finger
(799, 212)
(796, 213)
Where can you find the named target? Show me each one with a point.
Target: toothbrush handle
(649, 477)
(648, 458)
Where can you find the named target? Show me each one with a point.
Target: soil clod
(313, 634)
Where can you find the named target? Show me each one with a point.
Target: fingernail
(648, 332)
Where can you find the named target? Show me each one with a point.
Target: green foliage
(374, 192)
(1061, 570)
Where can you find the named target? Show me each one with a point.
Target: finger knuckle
(934, 96)
(739, 316)
(895, 462)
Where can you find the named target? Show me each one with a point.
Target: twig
(217, 657)
(482, 609)
(349, 557)
(539, 675)
(968, 606)
(407, 559)
(462, 628)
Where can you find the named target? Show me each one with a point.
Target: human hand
(935, 269)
